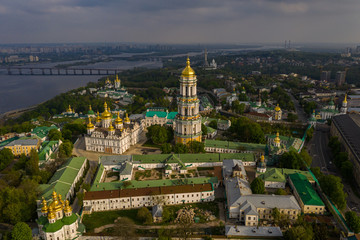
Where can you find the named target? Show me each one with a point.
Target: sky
(175, 21)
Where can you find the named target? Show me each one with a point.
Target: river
(21, 91)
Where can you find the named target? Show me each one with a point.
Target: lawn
(98, 219)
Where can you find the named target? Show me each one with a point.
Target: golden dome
(98, 118)
(277, 139)
(127, 119)
(56, 205)
(345, 99)
(69, 109)
(107, 81)
(118, 120)
(90, 125)
(188, 71)
(51, 214)
(262, 158)
(44, 208)
(111, 128)
(277, 108)
(117, 79)
(67, 208)
(106, 114)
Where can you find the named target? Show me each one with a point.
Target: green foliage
(166, 148)
(347, 170)
(126, 184)
(21, 231)
(353, 221)
(159, 134)
(6, 157)
(238, 107)
(245, 130)
(204, 130)
(276, 214)
(15, 127)
(280, 191)
(305, 156)
(299, 233)
(309, 134)
(317, 172)
(282, 98)
(213, 124)
(333, 188)
(54, 135)
(309, 107)
(257, 186)
(20, 164)
(180, 148)
(196, 147)
(291, 160)
(32, 165)
(66, 134)
(76, 129)
(65, 149)
(292, 117)
(144, 215)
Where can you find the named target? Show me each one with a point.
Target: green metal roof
(153, 183)
(305, 190)
(159, 114)
(45, 148)
(43, 130)
(235, 145)
(172, 115)
(63, 178)
(7, 141)
(99, 173)
(280, 174)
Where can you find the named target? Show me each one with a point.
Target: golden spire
(98, 118)
(127, 119)
(111, 128)
(106, 114)
(90, 125)
(262, 158)
(117, 79)
(67, 208)
(69, 109)
(44, 208)
(118, 120)
(54, 195)
(90, 108)
(345, 99)
(277, 139)
(188, 71)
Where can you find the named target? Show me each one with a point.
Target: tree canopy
(257, 186)
(332, 187)
(21, 231)
(353, 221)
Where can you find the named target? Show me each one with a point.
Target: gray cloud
(175, 21)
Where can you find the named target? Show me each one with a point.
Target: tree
(245, 130)
(65, 149)
(6, 157)
(126, 184)
(291, 160)
(332, 186)
(157, 134)
(125, 229)
(292, 117)
(276, 215)
(309, 107)
(20, 164)
(144, 215)
(166, 148)
(299, 233)
(213, 124)
(204, 130)
(280, 191)
(353, 221)
(180, 148)
(54, 135)
(32, 165)
(257, 186)
(309, 134)
(66, 134)
(317, 172)
(340, 158)
(21, 231)
(347, 170)
(305, 156)
(196, 147)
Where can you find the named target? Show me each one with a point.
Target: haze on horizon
(175, 21)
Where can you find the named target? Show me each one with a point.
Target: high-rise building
(206, 63)
(188, 119)
(325, 76)
(340, 78)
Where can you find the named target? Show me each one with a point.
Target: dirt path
(195, 225)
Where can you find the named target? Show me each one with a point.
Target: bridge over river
(60, 71)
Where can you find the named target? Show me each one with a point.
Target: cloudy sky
(175, 21)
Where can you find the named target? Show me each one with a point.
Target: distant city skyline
(186, 21)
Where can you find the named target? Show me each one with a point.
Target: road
(299, 110)
(321, 155)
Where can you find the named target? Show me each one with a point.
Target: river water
(21, 91)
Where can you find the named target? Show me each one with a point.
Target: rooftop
(280, 174)
(23, 142)
(243, 231)
(305, 190)
(43, 130)
(235, 145)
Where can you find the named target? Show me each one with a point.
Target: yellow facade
(187, 140)
(19, 149)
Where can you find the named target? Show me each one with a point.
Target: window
(249, 218)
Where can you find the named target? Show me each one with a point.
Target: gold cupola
(277, 108)
(117, 79)
(277, 138)
(106, 114)
(56, 205)
(51, 214)
(90, 125)
(188, 71)
(69, 110)
(67, 208)
(44, 208)
(127, 119)
(118, 120)
(98, 118)
(107, 81)
(345, 99)
(111, 128)
(262, 158)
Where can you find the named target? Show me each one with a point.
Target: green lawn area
(98, 219)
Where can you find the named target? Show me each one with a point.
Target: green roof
(210, 130)
(172, 115)
(235, 145)
(43, 130)
(63, 178)
(152, 183)
(7, 141)
(305, 190)
(45, 149)
(159, 114)
(280, 174)
(192, 158)
(56, 226)
(99, 173)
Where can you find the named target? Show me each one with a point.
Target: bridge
(59, 71)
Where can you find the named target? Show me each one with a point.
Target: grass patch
(98, 219)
